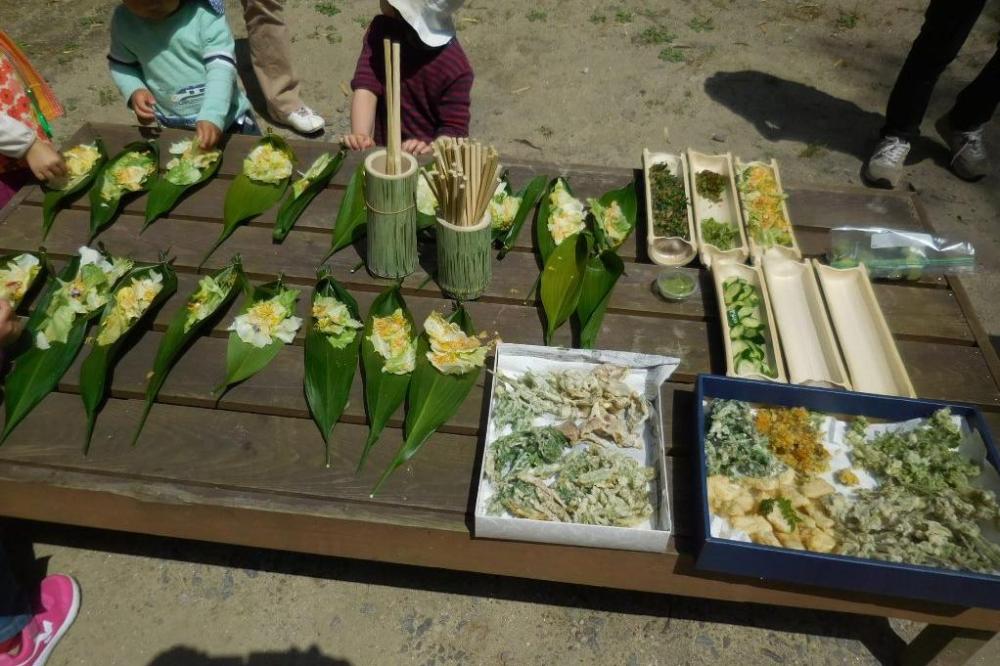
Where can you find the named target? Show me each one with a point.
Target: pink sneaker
(55, 608)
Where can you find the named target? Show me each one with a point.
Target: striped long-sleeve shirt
(436, 83)
(186, 60)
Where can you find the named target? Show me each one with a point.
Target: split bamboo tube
(392, 216)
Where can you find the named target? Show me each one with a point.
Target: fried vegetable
(733, 445)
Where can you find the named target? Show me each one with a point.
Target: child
(174, 62)
(24, 148)
(436, 76)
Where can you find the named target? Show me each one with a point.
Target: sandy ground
(571, 82)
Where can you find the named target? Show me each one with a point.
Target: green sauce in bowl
(675, 284)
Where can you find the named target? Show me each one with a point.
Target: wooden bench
(250, 470)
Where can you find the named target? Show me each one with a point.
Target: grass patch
(107, 96)
(671, 54)
(701, 24)
(624, 16)
(327, 8)
(597, 18)
(362, 21)
(545, 131)
(536, 15)
(846, 20)
(655, 35)
(812, 150)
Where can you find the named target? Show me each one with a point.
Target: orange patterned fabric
(15, 103)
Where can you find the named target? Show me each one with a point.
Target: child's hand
(10, 327)
(143, 104)
(417, 147)
(45, 161)
(357, 141)
(208, 134)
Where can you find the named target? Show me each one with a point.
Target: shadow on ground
(783, 110)
(875, 633)
(184, 656)
(244, 66)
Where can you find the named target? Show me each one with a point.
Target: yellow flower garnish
(267, 164)
(333, 319)
(392, 338)
(80, 161)
(17, 276)
(130, 302)
(566, 214)
(453, 352)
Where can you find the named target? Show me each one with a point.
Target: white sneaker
(305, 121)
(885, 167)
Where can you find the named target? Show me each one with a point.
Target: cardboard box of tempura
(546, 514)
(732, 552)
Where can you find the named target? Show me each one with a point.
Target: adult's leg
(977, 103)
(14, 610)
(270, 51)
(947, 24)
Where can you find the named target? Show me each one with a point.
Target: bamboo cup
(463, 258)
(392, 216)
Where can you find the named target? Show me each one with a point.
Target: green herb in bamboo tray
(450, 358)
(670, 204)
(747, 328)
(57, 327)
(710, 185)
(721, 235)
(137, 295)
(18, 273)
(83, 163)
(926, 457)
(213, 294)
(733, 445)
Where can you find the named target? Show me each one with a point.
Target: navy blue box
(962, 588)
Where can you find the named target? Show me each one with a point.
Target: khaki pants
(270, 51)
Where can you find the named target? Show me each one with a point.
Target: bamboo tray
(757, 251)
(668, 250)
(807, 339)
(727, 210)
(752, 274)
(869, 349)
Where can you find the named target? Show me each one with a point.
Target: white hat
(431, 19)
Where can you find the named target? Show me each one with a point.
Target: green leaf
(529, 198)
(293, 207)
(55, 200)
(164, 195)
(176, 340)
(102, 212)
(384, 391)
(103, 358)
(599, 281)
(562, 281)
(248, 198)
(38, 371)
(547, 244)
(352, 216)
(330, 371)
(434, 397)
(244, 360)
(627, 200)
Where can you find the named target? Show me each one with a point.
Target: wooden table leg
(944, 646)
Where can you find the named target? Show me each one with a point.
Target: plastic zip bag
(897, 254)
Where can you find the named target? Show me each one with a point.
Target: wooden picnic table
(249, 470)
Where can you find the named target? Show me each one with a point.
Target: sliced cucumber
(751, 322)
(736, 332)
